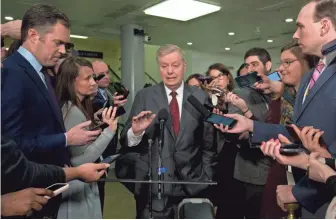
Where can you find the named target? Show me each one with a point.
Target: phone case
(58, 191)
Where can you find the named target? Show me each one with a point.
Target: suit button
(170, 175)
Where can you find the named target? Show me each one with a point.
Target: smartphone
(121, 89)
(296, 138)
(111, 159)
(248, 80)
(220, 119)
(98, 77)
(99, 126)
(57, 188)
(120, 112)
(274, 76)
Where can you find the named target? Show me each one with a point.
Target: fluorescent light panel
(182, 10)
(9, 18)
(78, 36)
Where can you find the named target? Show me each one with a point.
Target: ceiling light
(189, 43)
(269, 41)
(7, 48)
(9, 18)
(227, 48)
(288, 20)
(231, 33)
(181, 10)
(79, 36)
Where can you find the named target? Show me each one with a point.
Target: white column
(132, 61)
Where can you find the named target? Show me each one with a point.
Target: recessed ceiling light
(288, 20)
(78, 36)
(269, 41)
(227, 48)
(231, 33)
(181, 10)
(189, 43)
(9, 18)
(7, 48)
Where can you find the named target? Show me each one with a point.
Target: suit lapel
(161, 100)
(42, 88)
(299, 96)
(326, 74)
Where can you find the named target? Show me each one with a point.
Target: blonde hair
(168, 49)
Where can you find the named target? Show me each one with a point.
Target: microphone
(162, 116)
(198, 106)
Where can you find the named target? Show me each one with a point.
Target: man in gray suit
(188, 150)
(315, 104)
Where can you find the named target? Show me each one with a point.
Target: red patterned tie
(175, 112)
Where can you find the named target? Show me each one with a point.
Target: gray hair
(325, 9)
(168, 49)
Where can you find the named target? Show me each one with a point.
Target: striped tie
(317, 73)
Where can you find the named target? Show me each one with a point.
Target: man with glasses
(31, 114)
(105, 98)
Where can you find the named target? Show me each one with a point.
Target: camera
(147, 38)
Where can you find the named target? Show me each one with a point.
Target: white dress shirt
(134, 140)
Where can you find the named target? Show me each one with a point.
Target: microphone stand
(150, 143)
(160, 168)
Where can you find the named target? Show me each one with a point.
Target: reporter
(74, 88)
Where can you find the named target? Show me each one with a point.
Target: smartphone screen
(102, 125)
(219, 119)
(274, 76)
(56, 186)
(248, 80)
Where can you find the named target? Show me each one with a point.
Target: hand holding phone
(292, 149)
(57, 188)
(248, 79)
(220, 119)
(293, 131)
(111, 159)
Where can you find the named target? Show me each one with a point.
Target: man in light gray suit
(189, 148)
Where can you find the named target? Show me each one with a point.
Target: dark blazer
(97, 103)
(192, 153)
(28, 114)
(18, 173)
(319, 111)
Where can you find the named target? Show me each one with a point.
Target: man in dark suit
(31, 114)
(314, 106)
(189, 148)
(104, 98)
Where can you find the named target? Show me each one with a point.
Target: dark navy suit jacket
(319, 111)
(98, 103)
(28, 114)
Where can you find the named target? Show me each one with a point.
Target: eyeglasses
(287, 63)
(220, 75)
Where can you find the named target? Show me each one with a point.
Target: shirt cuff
(133, 140)
(66, 140)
